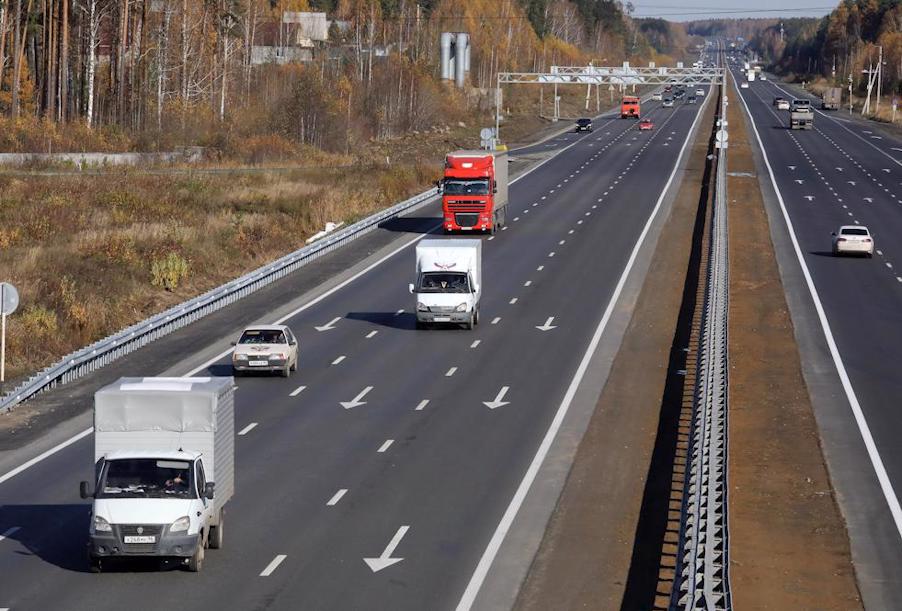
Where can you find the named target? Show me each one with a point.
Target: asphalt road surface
(437, 429)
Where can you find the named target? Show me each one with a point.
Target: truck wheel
(196, 562)
(215, 540)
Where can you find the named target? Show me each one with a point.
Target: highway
(377, 475)
(847, 311)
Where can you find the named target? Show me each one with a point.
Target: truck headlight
(461, 308)
(422, 307)
(101, 525)
(180, 525)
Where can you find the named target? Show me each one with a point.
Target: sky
(688, 10)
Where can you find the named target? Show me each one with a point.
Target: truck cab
(474, 191)
(629, 107)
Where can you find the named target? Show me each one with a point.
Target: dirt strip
(788, 544)
(585, 558)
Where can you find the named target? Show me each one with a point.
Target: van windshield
(463, 186)
(146, 478)
(444, 282)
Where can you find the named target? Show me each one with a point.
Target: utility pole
(879, 77)
(781, 31)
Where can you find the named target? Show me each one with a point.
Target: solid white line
(10, 532)
(496, 320)
(272, 566)
(336, 497)
(491, 550)
(297, 391)
(385, 445)
(371, 334)
(422, 405)
(876, 461)
(247, 429)
(339, 359)
(450, 372)
(475, 343)
(14, 472)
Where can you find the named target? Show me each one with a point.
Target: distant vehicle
(448, 283)
(743, 85)
(832, 99)
(750, 76)
(646, 124)
(783, 105)
(678, 94)
(690, 99)
(778, 99)
(474, 191)
(762, 77)
(266, 348)
(629, 107)
(164, 469)
(667, 103)
(800, 104)
(700, 92)
(657, 96)
(584, 125)
(853, 239)
(801, 118)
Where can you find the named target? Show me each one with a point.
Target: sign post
(9, 301)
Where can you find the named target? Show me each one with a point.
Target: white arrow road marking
(809, 197)
(422, 405)
(297, 391)
(799, 180)
(869, 199)
(10, 532)
(385, 560)
(499, 399)
(336, 497)
(385, 445)
(329, 325)
(547, 326)
(272, 566)
(357, 401)
(247, 429)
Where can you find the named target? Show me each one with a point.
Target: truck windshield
(146, 478)
(463, 186)
(444, 282)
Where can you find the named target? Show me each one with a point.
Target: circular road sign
(487, 133)
(9, 298)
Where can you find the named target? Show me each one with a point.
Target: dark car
(690, 99)
(584, 125)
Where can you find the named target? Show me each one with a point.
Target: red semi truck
(474, 191)
(629, 107)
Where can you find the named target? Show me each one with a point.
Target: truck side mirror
(208, 490)
(85, 491)
(410, 288)
(438, 186)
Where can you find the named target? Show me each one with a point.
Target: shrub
(167, 272)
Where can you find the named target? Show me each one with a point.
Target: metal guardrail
(702, 563)
(101, 353)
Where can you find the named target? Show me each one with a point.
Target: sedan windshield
(147, 478)
(461, 186)
(262, 336)
(444, 282)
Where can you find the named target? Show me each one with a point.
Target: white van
(448, 282)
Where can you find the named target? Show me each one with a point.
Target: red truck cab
(474, 191)
(629, 107)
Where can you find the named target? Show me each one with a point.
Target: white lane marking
(551, 254)
(491, 237)
(297, 391)
(272, 566)
(385, 560)
(326, 294)
(451, 372)
(329, 325)
(513, 301)
(864, 429)
(336, 497)
(504, 228)
(527, 283)
(491, 550)
(547, 326)
(570, 232)
(562, 242)
(10, 532)
(399, 312)
(385, 445)
(247, 429)
(475, 343)
(516, 218)
(496, 320)
(358, 400)
(422, 404)
(889, 265)
(540, 268)
(371, 334)
(498, 401)
(339, 359)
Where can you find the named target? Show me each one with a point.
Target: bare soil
(788, 544)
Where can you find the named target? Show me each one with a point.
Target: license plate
(140, 539)
(258, 363)
(442, 319)
(466, 228)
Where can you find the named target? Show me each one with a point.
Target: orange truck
(629, 107)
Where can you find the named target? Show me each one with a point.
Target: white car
(271, 348)
(783, 105)
(744, 85)
(699, 92)
(853, 239)
(657, 96)
(762, 77)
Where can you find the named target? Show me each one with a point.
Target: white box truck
(164, 452)
(448, 282)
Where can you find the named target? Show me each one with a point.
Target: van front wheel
(196, 562)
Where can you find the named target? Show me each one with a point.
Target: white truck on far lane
(164, 451)
(448, 285)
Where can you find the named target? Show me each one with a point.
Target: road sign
(487, 133)
(9, 301)
(721, 138)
